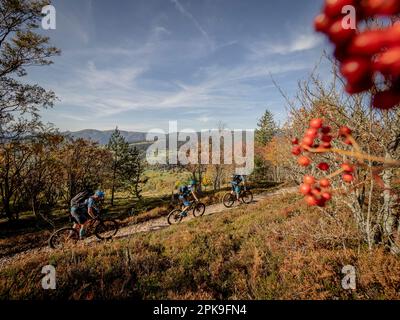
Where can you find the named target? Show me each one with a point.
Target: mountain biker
(82, 213)
(236, 183)
(185, 192)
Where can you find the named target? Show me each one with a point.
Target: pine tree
(120, 148)
(132, 173)
(266, 130)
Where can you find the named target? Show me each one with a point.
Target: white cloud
(117, 77)
(107, 92)
(300, 42)
(204, 119)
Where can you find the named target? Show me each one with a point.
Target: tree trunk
(200, 179)
(7, 208)
(388, 218)
(113, 185)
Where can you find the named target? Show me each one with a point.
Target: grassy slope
(257, 252)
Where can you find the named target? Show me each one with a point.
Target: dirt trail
(147, 226)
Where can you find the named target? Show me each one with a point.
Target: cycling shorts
(79, 214)
(184, 200)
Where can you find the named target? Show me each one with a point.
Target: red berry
(333, 8)
(348, 142)
(338, 34)
(326, 145)
(312, 133)
(381, 7)
(344, 131)
(316, 192)
(326, 138)
(309, 179)
(341, 52)
(393, 35)
(322, 23)
(308, 141)
(388, 63)
(304, 161)
(323, 166)
(386, 100)
(324, 183)
(316, 123)
(364, 85)
(356, 69)
(295, 141)
(368, 43)
(305, 189)
(326, 196)
(296, 150)
(311, 201)
(326, 130)
(347, 178)
(321, 202)
(347, 167)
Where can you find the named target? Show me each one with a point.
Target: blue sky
(138, 64)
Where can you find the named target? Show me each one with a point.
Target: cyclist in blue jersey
(236, 183)
(185, 192)
(82, 213)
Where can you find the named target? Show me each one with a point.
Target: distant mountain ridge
(102, 137)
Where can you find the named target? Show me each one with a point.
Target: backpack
(183, 189)
(80, 198)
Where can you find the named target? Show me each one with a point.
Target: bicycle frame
(90, 224)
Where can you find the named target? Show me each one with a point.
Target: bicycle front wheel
(174, 217)
(247, 197)
(106, 229)
(199, 209)
(63, 238)
(228, 200)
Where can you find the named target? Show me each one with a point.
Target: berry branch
(369, 57)
(317, 140)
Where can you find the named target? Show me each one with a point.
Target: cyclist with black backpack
(85, 206)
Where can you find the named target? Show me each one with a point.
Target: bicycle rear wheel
(174, 217)
(106, 229)
(199, 209)
(63, 237)
(228, 200)
(247, 197)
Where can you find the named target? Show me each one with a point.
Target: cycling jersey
(80, 213)
(92, 203)
(237, 180)
(185, 192)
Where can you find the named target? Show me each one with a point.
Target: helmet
(100, 194)
(193, 182)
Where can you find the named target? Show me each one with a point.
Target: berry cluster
(365, 54)
(317, 139)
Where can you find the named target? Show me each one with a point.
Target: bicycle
(103, 229)
(245, 196)
(176, 216)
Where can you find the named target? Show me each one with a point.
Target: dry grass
(256, 252)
